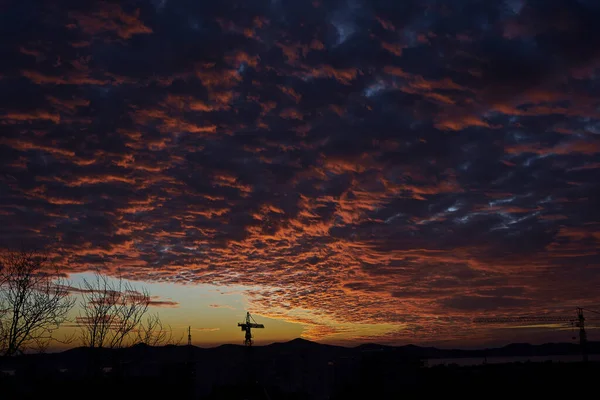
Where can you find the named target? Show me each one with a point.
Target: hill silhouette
(300, 345)
(303, 367)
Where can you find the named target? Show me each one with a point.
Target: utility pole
(580, 323)
(190, 366)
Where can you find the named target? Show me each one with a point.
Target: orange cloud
(572, 147)
(457, 123)
(344, 76)
(290, 113)
(394, 48)
(13, 117)
(110, 17)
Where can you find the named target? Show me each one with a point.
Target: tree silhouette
(154, 333)
(111, 312)
(34, 301)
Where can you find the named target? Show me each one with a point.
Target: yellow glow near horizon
(211, 311)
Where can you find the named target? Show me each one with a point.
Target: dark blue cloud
(384, 158)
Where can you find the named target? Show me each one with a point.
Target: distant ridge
(300, 344)
(316, 368)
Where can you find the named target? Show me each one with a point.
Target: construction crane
(247, 327)
(578, 321)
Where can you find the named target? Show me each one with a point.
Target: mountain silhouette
(297, 366)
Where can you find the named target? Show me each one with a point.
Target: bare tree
(94, 315)
(34, 301)
(153, 333)
(111, 312)
(130, 311)
(3, 311)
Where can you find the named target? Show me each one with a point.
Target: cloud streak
(399, 164)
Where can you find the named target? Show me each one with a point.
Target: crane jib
(247, 327)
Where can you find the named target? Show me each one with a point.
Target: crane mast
(247, 327)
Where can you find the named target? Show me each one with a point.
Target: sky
(348, 171)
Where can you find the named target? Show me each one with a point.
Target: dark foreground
(294, 370)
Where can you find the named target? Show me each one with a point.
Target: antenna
(189, 335)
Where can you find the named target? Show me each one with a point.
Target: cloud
(158, 302)
(370, 162)
(110, 18)
(206, 329)
(486, 303)
(221, 306)
(154, 301)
